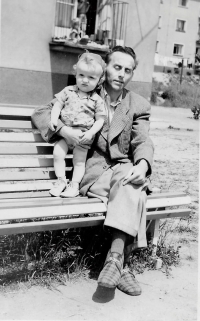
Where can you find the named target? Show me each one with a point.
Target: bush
(169, 94)
(176, 94)
(188, 73)
(169, 71)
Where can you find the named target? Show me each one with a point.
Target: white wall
(27, 25)
(142, 27)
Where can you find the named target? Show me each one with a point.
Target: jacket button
(104, 167)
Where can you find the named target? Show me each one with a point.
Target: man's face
(119, 71)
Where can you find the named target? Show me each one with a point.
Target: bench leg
(153, 227)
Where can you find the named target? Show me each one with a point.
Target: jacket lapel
(105, 129)
(120, 118)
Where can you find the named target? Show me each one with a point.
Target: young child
(80, 107)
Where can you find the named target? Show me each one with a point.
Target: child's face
(87, 76)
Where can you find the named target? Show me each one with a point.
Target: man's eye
(81, 75)
(117, 67)
(91, 77)
(128, 71)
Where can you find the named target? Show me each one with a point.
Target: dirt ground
(174, 298)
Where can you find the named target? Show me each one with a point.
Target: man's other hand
(137, 174)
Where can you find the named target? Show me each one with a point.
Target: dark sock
(118, 242)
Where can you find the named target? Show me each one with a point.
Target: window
(178, 49)
(99, 19)
(199, 29)
(120, 10)
(65, 12)
(180, 25)
(157, 45)
(183, 3)
(159, 22)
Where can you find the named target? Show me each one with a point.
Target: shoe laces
(59, 181)
(71, 185)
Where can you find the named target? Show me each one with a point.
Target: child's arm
(89, 134)
(55, 113)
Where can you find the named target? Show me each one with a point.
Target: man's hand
(137, 174)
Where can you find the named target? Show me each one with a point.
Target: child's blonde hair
(92, 59)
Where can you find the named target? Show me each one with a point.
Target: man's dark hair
(126, 50)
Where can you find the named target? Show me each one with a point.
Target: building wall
(170, 11)
(32, 74)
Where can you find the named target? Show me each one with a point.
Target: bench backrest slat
(25, 149)
(18, 124)
(20, 137)
(16, 110)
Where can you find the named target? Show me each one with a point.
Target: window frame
(65, 29)
(180, 5)
(157, 46)
(159, 22)
(185, 23)
(178, 44)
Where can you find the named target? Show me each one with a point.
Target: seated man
(117, 166)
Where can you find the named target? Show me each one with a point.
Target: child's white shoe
(72, 190)
(59, 187)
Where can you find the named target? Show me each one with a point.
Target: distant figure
(196, 111)
(75, 33)
(189, 63)
(83, 7)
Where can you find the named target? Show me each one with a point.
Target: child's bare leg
(59, 153)
(79, 159)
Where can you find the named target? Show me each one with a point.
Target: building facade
(178, 32)
(38, 52)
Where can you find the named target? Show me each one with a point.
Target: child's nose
(85, 79)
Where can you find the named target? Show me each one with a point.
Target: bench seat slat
(154, 215)
(54, 207)
(21, 195)
(74, 223)
(50, 211)
(19, 228)
(151, 203)
(165, 202)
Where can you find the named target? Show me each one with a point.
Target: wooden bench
(27, 174)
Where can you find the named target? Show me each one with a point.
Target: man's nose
(121, 73)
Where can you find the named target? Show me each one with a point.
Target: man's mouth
(119, 82)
